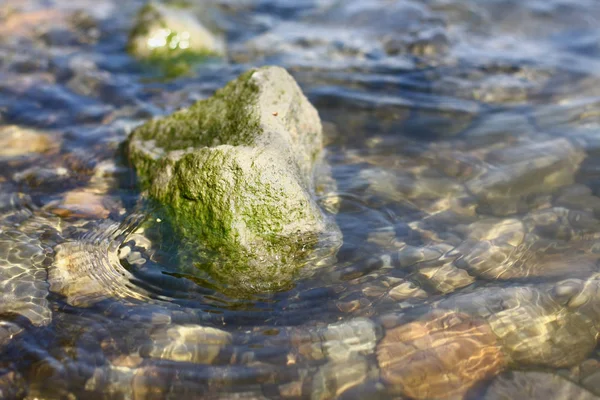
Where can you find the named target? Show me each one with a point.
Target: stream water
(463, 138)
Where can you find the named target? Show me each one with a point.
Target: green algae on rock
(235, 173)
(172, 38)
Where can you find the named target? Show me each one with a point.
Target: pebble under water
(463, 139)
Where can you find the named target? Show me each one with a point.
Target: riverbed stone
(549, 165)
(189, 343)
(535, 385)
(163, 31)
(441, 356)
(16, 141)
(235, 174)
(335, 378)
(346, 339)
(533, 325)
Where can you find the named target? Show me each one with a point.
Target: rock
(235, 174)
(535, 385)
(41, 177)
(548, 165)
(172, 36)
(440, 357)
(340, 341)
(88, 269)
(533, 325)
(445, 278)
(189, 343)
(407, 290)
(94, 200)
(582, 297)
(592, 382)
(114, 381)
(12, 385)
(16, 141)
(344, 340)
(533, 247)
(82, 204)
(8, 330)
(334, 378)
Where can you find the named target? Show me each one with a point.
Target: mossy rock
(170, 37)
(234, 173)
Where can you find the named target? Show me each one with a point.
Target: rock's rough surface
(235, 172)
(162, 31)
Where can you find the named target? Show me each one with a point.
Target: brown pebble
(275, 113)
(82, 204)
(440, 357)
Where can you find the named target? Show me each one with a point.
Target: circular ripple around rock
(88, 269)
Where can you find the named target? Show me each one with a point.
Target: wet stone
(43, 178)
(580, 296)
(446, 278)
(592, 382)
(547, 166)
(113, 380)
(491, 248)
(336, 377)
(395, 77)
(17, 141)
(440, 356)
(83, 204)
(234, 173)
(407, 290)
(585, 375)
(20, 23)
(534, 246)
(411, 255)
(532, 327)
(164, 32)
(342, 340)
(536, 386)
(189, 343)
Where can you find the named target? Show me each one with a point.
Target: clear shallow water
(463, 140)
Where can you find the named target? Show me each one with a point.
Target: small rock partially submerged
(172, 37)
(235, 172)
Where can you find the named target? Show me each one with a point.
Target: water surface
(463, 139)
